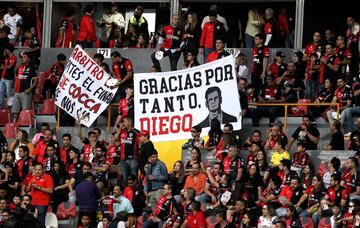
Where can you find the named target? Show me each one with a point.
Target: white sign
(106, 52)
(85, 89)
(169, 104)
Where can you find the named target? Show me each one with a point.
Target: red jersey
(351, 37)
(164, 207)
(231, 166)
(352, 181)
(313, 48)
(40, 198)
(9, 73)
(300, 159)
(24, 76)
(343, 95)
(326, 72)
(106, 205)
(277, 70)
(113, 154)
(126, 107)
(258, 55)
(216, 55)
(271, 27)
(40, 151)
(87, 30)
(87, 152)
(173, 37)
(336, 196)
(121, 68)
(23, 167)
(283, 24)
(210, 33)
(68, 35)
(196, 221)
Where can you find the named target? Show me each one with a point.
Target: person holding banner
(213, 103)
(171, 41)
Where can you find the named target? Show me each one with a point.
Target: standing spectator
(14, 22)
(271, 29)
(329, 37)
(66, 35)
(219, 18)
(87, 195)
(100, 166)
(126, 106)
(212, 31)
(61, 180)
(8, 73)
(352, 36)
(25, 83)
(192, 35)
(134, 192)
(286, 29)
(253, 26)
(129, 150)
(140, 24)
(219, 51)
(41, 188)
(33, 45)
(343, 53)
(65, 153)
(123, 71)
(351, 178)
(315, 47)
(177, 179)
(242, 96)
(87, 33)
(23, 162)
(55, 72)
(307, 134)
(260, 57)
(163, 210)
(312, 76)
(145, 151)
(329, 65)
(156, 177)
(108, 21)
(337, 137)
(172, 42)
(40, 135)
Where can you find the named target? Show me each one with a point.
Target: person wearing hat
(278, 68)
(7, 75)
(107, 22)
(219, 51)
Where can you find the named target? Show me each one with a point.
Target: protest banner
(85, 89)
(168, 104)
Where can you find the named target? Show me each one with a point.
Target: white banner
(85, 89)
(169, 104)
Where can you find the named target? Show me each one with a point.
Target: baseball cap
(5, 29)
(280, 54)
(144, 133)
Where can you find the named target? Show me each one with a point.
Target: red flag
(38, 23)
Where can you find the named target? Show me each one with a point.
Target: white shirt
(265, 223)
(243, 72)
(116, 18)
(12, 22)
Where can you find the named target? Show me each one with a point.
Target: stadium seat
(4, 116)
(51, 220)
(139, 221)
(307, 222)
(41, 80)
(325, 223)
(47, 108)
(66, 213)
(299, 110)
(211, 222)
(10, 130)
(26, 118)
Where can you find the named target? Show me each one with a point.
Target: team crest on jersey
(179, 32)
(218, 27)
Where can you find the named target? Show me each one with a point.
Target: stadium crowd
(121, 182)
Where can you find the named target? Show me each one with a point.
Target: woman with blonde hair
(21, 140)
(192, 34)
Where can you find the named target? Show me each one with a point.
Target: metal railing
(285, 105)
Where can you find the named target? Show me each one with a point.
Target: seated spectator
(335, 193)
(262, 163)
(123, 203)
(196, 180)
(61, 181)
(219, 51)
(253, 152)
(191, 60)
(307, 134)
(40, 135)
(214, 134)
(21, 140)
(253, 183)
(270, 194)
(177, 217)
(289, 196)
(300, 158)
(189, 197)
(23, 162)
(221, 220)
(212, 186)
(254, 138)
(86, 221)
(337, 216)
(268, 216)
(292, 217)
(276, 132)
(307, 175)
(351, 178)
(285, 172)
(55, 72)
(195, 140)
(222, 148)
(105, 222)
(196, 218)
(241, 67)
(354, 143)
(195, 157)
(163, 209)
(324, 96)
(177, 179)
(332, 168)
(236, 212)
(40, 149)
(280, 153)
(337, 137)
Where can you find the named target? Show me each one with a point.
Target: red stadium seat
(10, 130)
(300, 110)
(139, 221)
(41, 80)
(66, 213)
(4, 116)
(48, 107)
(26, 118)
(325, 223)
